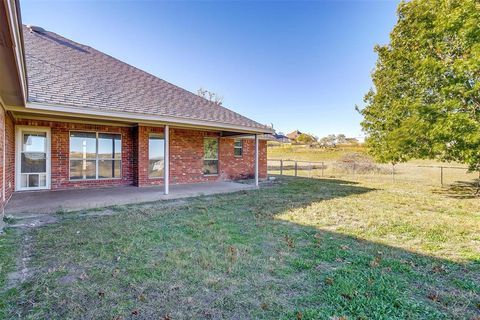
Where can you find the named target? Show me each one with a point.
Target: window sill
(210, 174)
(99, 179)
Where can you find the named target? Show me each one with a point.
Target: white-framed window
(95, 155)
(238, 148)
(210, 155)
(156, 156)
(32, 159)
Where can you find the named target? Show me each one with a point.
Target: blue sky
(298, 65)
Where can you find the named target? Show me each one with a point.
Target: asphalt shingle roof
(63, 72)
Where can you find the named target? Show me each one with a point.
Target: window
(210, 156)
(238, 148)
(95, 155)
(156, 156)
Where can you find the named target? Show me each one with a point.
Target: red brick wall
(186, 155)
(186, 158)
(232, 168)
(9, 156)
(142, 136)
(7, 148)
(2, 144)
(60, 145)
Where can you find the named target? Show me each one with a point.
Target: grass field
(324, 163)
(299, 249)
(306, 153)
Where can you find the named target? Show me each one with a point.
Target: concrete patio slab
(45, 202)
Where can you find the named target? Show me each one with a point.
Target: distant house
(274, 137)
(294, 135)
(281, 138)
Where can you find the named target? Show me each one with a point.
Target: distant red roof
(294, 135)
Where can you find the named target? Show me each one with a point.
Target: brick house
(73, 117)
(294, 135)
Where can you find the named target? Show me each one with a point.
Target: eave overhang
(13, 83)
(133, 118)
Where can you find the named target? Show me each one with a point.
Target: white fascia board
(138, 117)
(246, 136)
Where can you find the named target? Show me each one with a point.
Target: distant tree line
(329, 141)
(333, 140)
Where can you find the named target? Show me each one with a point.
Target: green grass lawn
(300, 249)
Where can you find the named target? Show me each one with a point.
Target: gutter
(62, 110)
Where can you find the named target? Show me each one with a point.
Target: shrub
(357, 162)
(305, 138)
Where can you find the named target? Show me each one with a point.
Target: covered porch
(47, 202)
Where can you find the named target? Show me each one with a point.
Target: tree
(341, 138)
(328, 141)
(352, 141)
(306, 138)
(210, 96)
(426, 97)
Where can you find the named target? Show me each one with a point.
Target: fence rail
(430, 174)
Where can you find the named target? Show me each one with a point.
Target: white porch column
(166, 162)
(256, 160)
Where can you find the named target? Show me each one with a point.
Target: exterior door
(33, 158)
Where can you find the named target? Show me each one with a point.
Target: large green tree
(426, 97)
(306, 138)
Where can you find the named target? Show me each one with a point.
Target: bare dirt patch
(22, 271)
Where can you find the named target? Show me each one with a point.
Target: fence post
(310, 170)
(296, 167)
(478, 184)
(441, 176)
(281, 167)
(393, 172)
(323, 165)
(353, 168)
